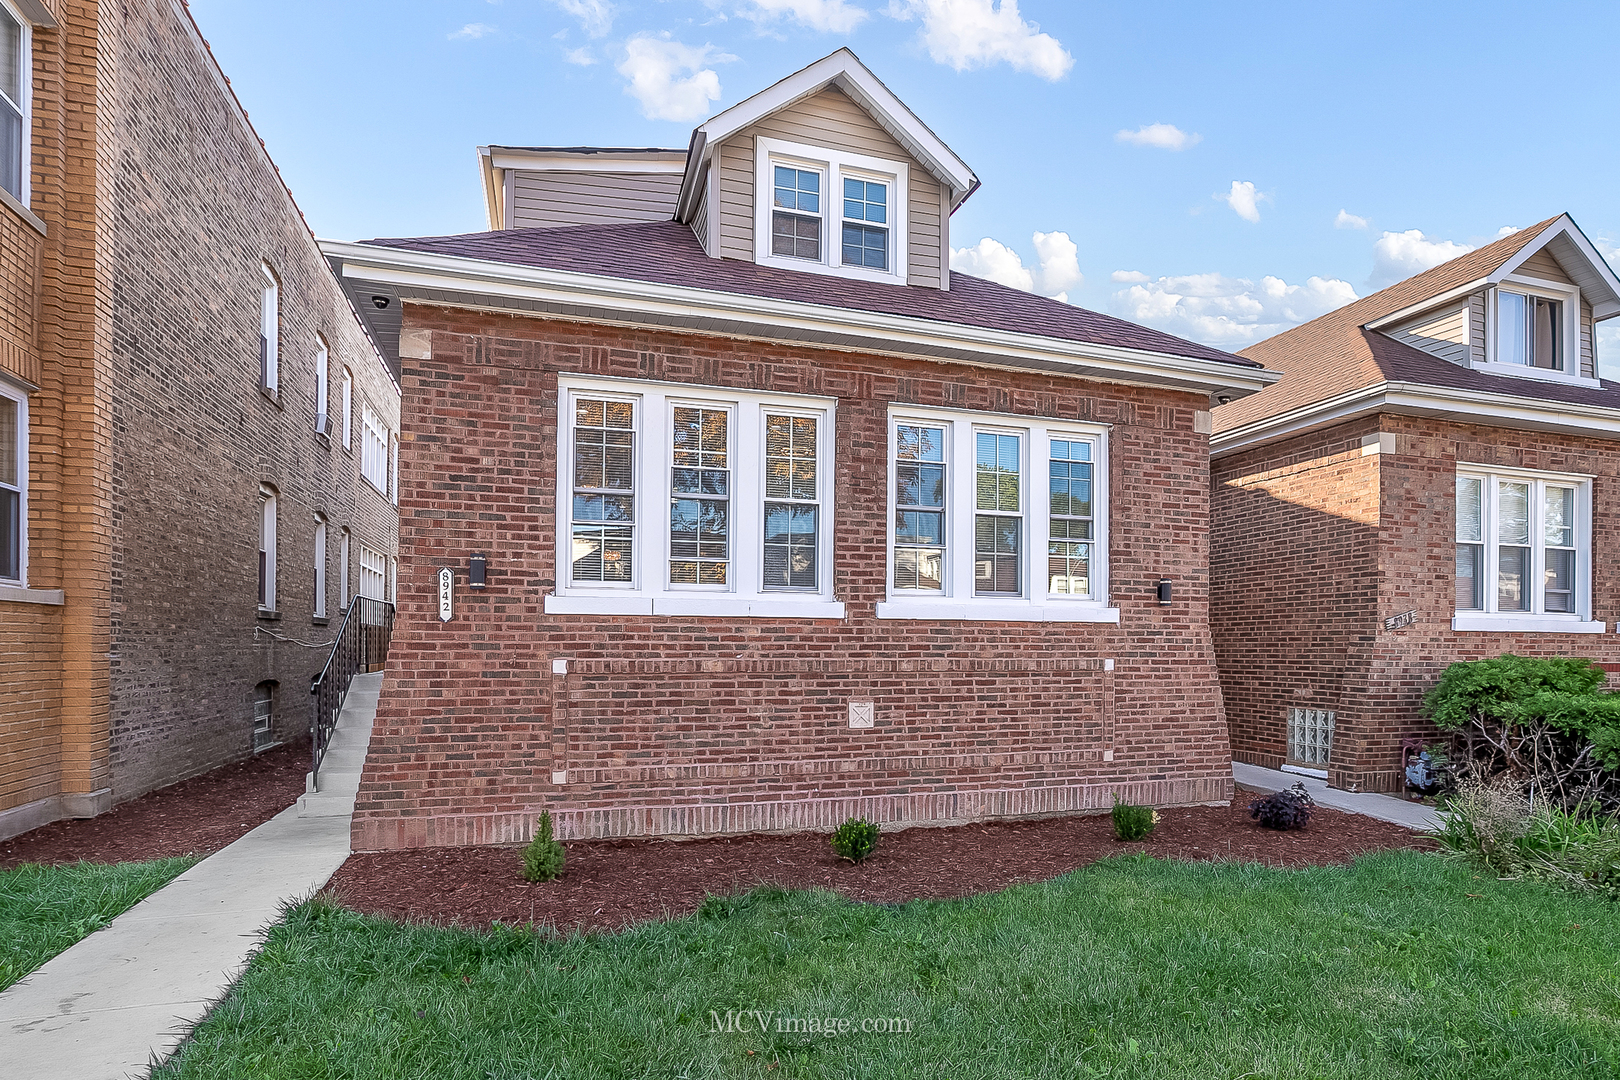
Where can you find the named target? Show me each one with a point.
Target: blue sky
(1220, 171)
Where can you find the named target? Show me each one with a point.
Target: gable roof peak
(841, 70)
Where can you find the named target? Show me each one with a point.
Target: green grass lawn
(1401, 966)
(44, 909)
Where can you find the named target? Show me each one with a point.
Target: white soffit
(844, 70)
(1566, 243)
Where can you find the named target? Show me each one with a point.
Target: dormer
(542, 187)
(827, 172)
(1529, 314)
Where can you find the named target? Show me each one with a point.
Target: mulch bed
(194, 817)
(610, 884)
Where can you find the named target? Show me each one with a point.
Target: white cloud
(1608, 348)
(1397, 256)
(1506, 230)
(827, 16)
(670, 79)
(581, 56)
(1163, 136)
(1057, 268)
(1243, 199)
(595, 16)
(1226, 312)
(472, 31)
(1060, 263)
(1347, 220)
(968, 34)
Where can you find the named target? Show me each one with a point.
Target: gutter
(626, 302)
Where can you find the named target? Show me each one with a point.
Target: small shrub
(543, 858)
(1289, 809)
(1133, 822)
(855, 839)
(1490, 824)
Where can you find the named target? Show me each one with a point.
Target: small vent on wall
(1310, 737)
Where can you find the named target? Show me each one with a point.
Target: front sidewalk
(1369, 804)
(129, 994)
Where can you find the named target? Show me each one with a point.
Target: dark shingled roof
(667, 253)
(1334, 354)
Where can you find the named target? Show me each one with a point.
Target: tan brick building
(752, 515)
(183, 385)
(1435, 478)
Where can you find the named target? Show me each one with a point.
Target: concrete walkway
(1383, 807)
(129, 994)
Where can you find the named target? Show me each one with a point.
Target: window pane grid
(866, 213)
(11, 512)
(998, 527)
(1069, 547)
(919, 507)
(796, 213)
(700, 497)
(792, 525)
(1517, 549)
(604, 503)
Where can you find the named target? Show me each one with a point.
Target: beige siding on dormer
(1588, 352)
(1444, 334)
(1476, 328)
(832, 120)
(700, 221)
(542, 200)
(1543, 265)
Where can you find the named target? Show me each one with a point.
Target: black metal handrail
(361, 645)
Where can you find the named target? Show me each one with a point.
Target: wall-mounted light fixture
(478, 570)
(1164, 592)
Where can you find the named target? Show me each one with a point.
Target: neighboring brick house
(783, 520)
(1436, 477)
(182, 385)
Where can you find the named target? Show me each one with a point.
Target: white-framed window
(16, 101)
(373, 449)
(267, 547)
(996, 517)
(393, 468)
(320, 566)
(322, 359)
(344, 595)
(691, 500)
(1534, 331)
(269, 329)
(373, 573)
(1523, 559)
(348, 409)
(393, 580)
(828, 211)
(13, 485)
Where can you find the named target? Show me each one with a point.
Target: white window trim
(20, 397)
(745, 596)
(323, 422)
(956, 601)
(270, 326)
(379, 572)
(25, 79)
(344, 595)
(1530, 622)
(1570, 297)
(374, 459)
(268, 513)
(348, 409)
(320, 566)
(393, 468)
(832, 164)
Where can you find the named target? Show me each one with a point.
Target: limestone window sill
(735, 607)
(19, 594)
(998, 611)
(269, 615)
(1527, 624)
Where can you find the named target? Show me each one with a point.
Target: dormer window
(1530, 331)
(830, 212)
(796, 213)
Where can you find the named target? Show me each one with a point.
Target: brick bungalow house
(1435, 478)
(751, 515)
(194, 427)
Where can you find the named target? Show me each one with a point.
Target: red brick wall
(680, 726)
(1289, 618)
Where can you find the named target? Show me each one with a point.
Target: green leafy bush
(855, 839)
(544, 857)
(1133, 822)
(1490, 824)
(1549, 724)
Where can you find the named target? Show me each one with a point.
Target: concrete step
(333, 789)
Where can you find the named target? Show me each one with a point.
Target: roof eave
(430, 278)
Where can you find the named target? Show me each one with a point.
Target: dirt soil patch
(194, 817)
(610, 884)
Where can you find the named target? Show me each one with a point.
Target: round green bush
(855, 839)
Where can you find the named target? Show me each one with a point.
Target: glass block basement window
(1310, 737)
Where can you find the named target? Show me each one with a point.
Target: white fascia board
(999, 348)
(855, 79)
(492, 187)
(1417, 399)
(670, 164)
(1565, 226)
